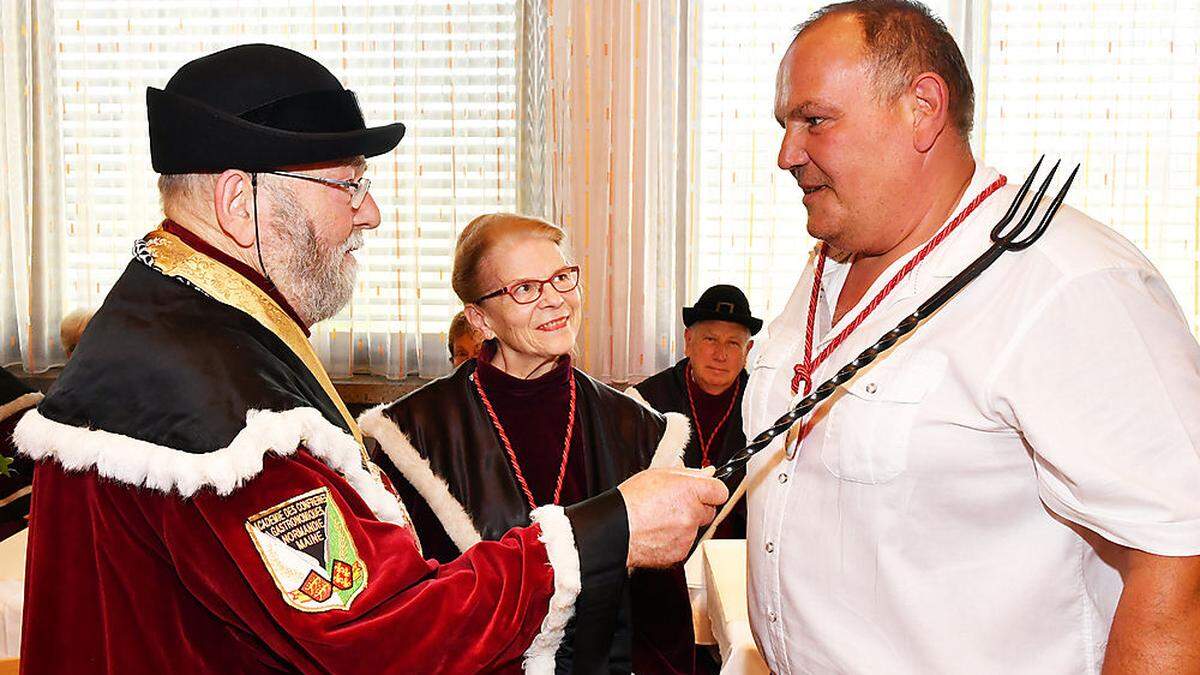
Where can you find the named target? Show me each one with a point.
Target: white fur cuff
(564, 559)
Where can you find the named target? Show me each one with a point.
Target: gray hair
(184, 190)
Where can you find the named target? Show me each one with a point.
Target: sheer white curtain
(604, 155)
(446, 69)
(1112, 85)
(748, 224)
(30, 188)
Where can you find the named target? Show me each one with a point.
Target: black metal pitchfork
(1002, 243)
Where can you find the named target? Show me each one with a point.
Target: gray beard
(318, 282)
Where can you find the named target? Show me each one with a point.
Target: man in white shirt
(1016, 486)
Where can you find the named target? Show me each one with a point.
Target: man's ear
(930, 99)
(234, 206)
(478, 321)
(749, 346)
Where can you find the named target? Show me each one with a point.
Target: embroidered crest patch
(307, 548)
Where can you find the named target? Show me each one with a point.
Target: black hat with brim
(722, 303)
(256, 108)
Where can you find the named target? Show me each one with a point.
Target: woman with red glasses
(517, 427)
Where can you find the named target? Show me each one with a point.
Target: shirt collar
(203, 247)
(964, 245)
(973, 237)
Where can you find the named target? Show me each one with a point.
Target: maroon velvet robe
(441, 449)
(130, 580)
(193, 468)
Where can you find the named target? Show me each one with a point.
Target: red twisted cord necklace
(805, 369)
(512, 455)
(704, 444)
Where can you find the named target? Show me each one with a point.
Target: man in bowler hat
(203, 501)
(708, 384)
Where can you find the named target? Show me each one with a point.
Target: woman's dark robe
(442, 452)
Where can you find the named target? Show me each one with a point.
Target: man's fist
(666, 507)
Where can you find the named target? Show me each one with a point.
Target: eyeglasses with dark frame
(526, 291)
(357, 188)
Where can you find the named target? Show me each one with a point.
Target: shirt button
(772, 616)
(872, 388)
(783, 478)
(770, 547)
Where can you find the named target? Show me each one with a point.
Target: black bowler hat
(722, 303)
(257, 107)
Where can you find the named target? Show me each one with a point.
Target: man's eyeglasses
(357, 188)
(526, 291)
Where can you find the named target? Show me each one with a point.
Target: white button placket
(772, 552)
(775, 539)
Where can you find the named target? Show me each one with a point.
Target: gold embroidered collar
(175, 258)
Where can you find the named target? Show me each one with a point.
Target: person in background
(708, 385)
(70, 330)
(17, 398)
(462, 340)
(520, 425)
(16, 470)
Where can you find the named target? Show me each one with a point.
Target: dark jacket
(440, 449)
(667, 392)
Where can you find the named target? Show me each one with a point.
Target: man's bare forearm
(1156, 628)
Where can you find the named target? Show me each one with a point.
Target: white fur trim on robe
(142, 464)
(669, 453)
(564, 558)
(633, 393)
(416, 470)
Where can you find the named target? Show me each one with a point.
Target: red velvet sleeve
(300, 563)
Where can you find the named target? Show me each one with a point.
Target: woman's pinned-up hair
(481, 235)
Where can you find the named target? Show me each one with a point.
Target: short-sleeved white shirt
(922, 528)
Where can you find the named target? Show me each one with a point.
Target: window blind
(1113, 85)
(445, 68)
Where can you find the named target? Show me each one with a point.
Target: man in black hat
(708, 384)
(203, 500)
